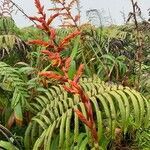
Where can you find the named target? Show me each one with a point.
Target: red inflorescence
(53, 50)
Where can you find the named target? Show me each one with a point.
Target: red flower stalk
(70, 20)
(63, 64)
(44, 25)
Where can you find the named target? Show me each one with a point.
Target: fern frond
(11, 80)
(7, 25)
(55, 121)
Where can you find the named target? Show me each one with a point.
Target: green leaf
(72, 69)
(18, 114)
(7, 145)
(75, 49)
(113, 105)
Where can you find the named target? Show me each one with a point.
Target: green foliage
(7, 145)
(108, 52)
(28, 33)
(11, 80)
(7, 25)
(145, 85)
(142, 139)
(114, 106)
(56, 125)
(12, 49)
(8, 140)
(102, 52)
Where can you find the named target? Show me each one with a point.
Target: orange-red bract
(82, 118)
(52, 75)
(36, 19)
(67, 63)
(51, 18)
(39, 6)
(67, 39)
(52, 33)
(39, 42)
(54, 57)
(70, 90)
(79, 73)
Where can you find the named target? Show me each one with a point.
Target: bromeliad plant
(54, 49)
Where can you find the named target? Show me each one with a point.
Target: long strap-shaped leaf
(114, 107)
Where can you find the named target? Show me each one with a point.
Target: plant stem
(139, 45)
(5, 132)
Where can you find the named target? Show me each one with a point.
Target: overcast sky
(111, 7)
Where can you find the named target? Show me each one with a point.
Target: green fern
(7, 25)
(11, 80)
(12, 48)
(56, 125)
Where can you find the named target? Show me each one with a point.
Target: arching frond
(56, 125)
(11, 80)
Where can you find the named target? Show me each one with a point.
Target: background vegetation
(38, 113)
